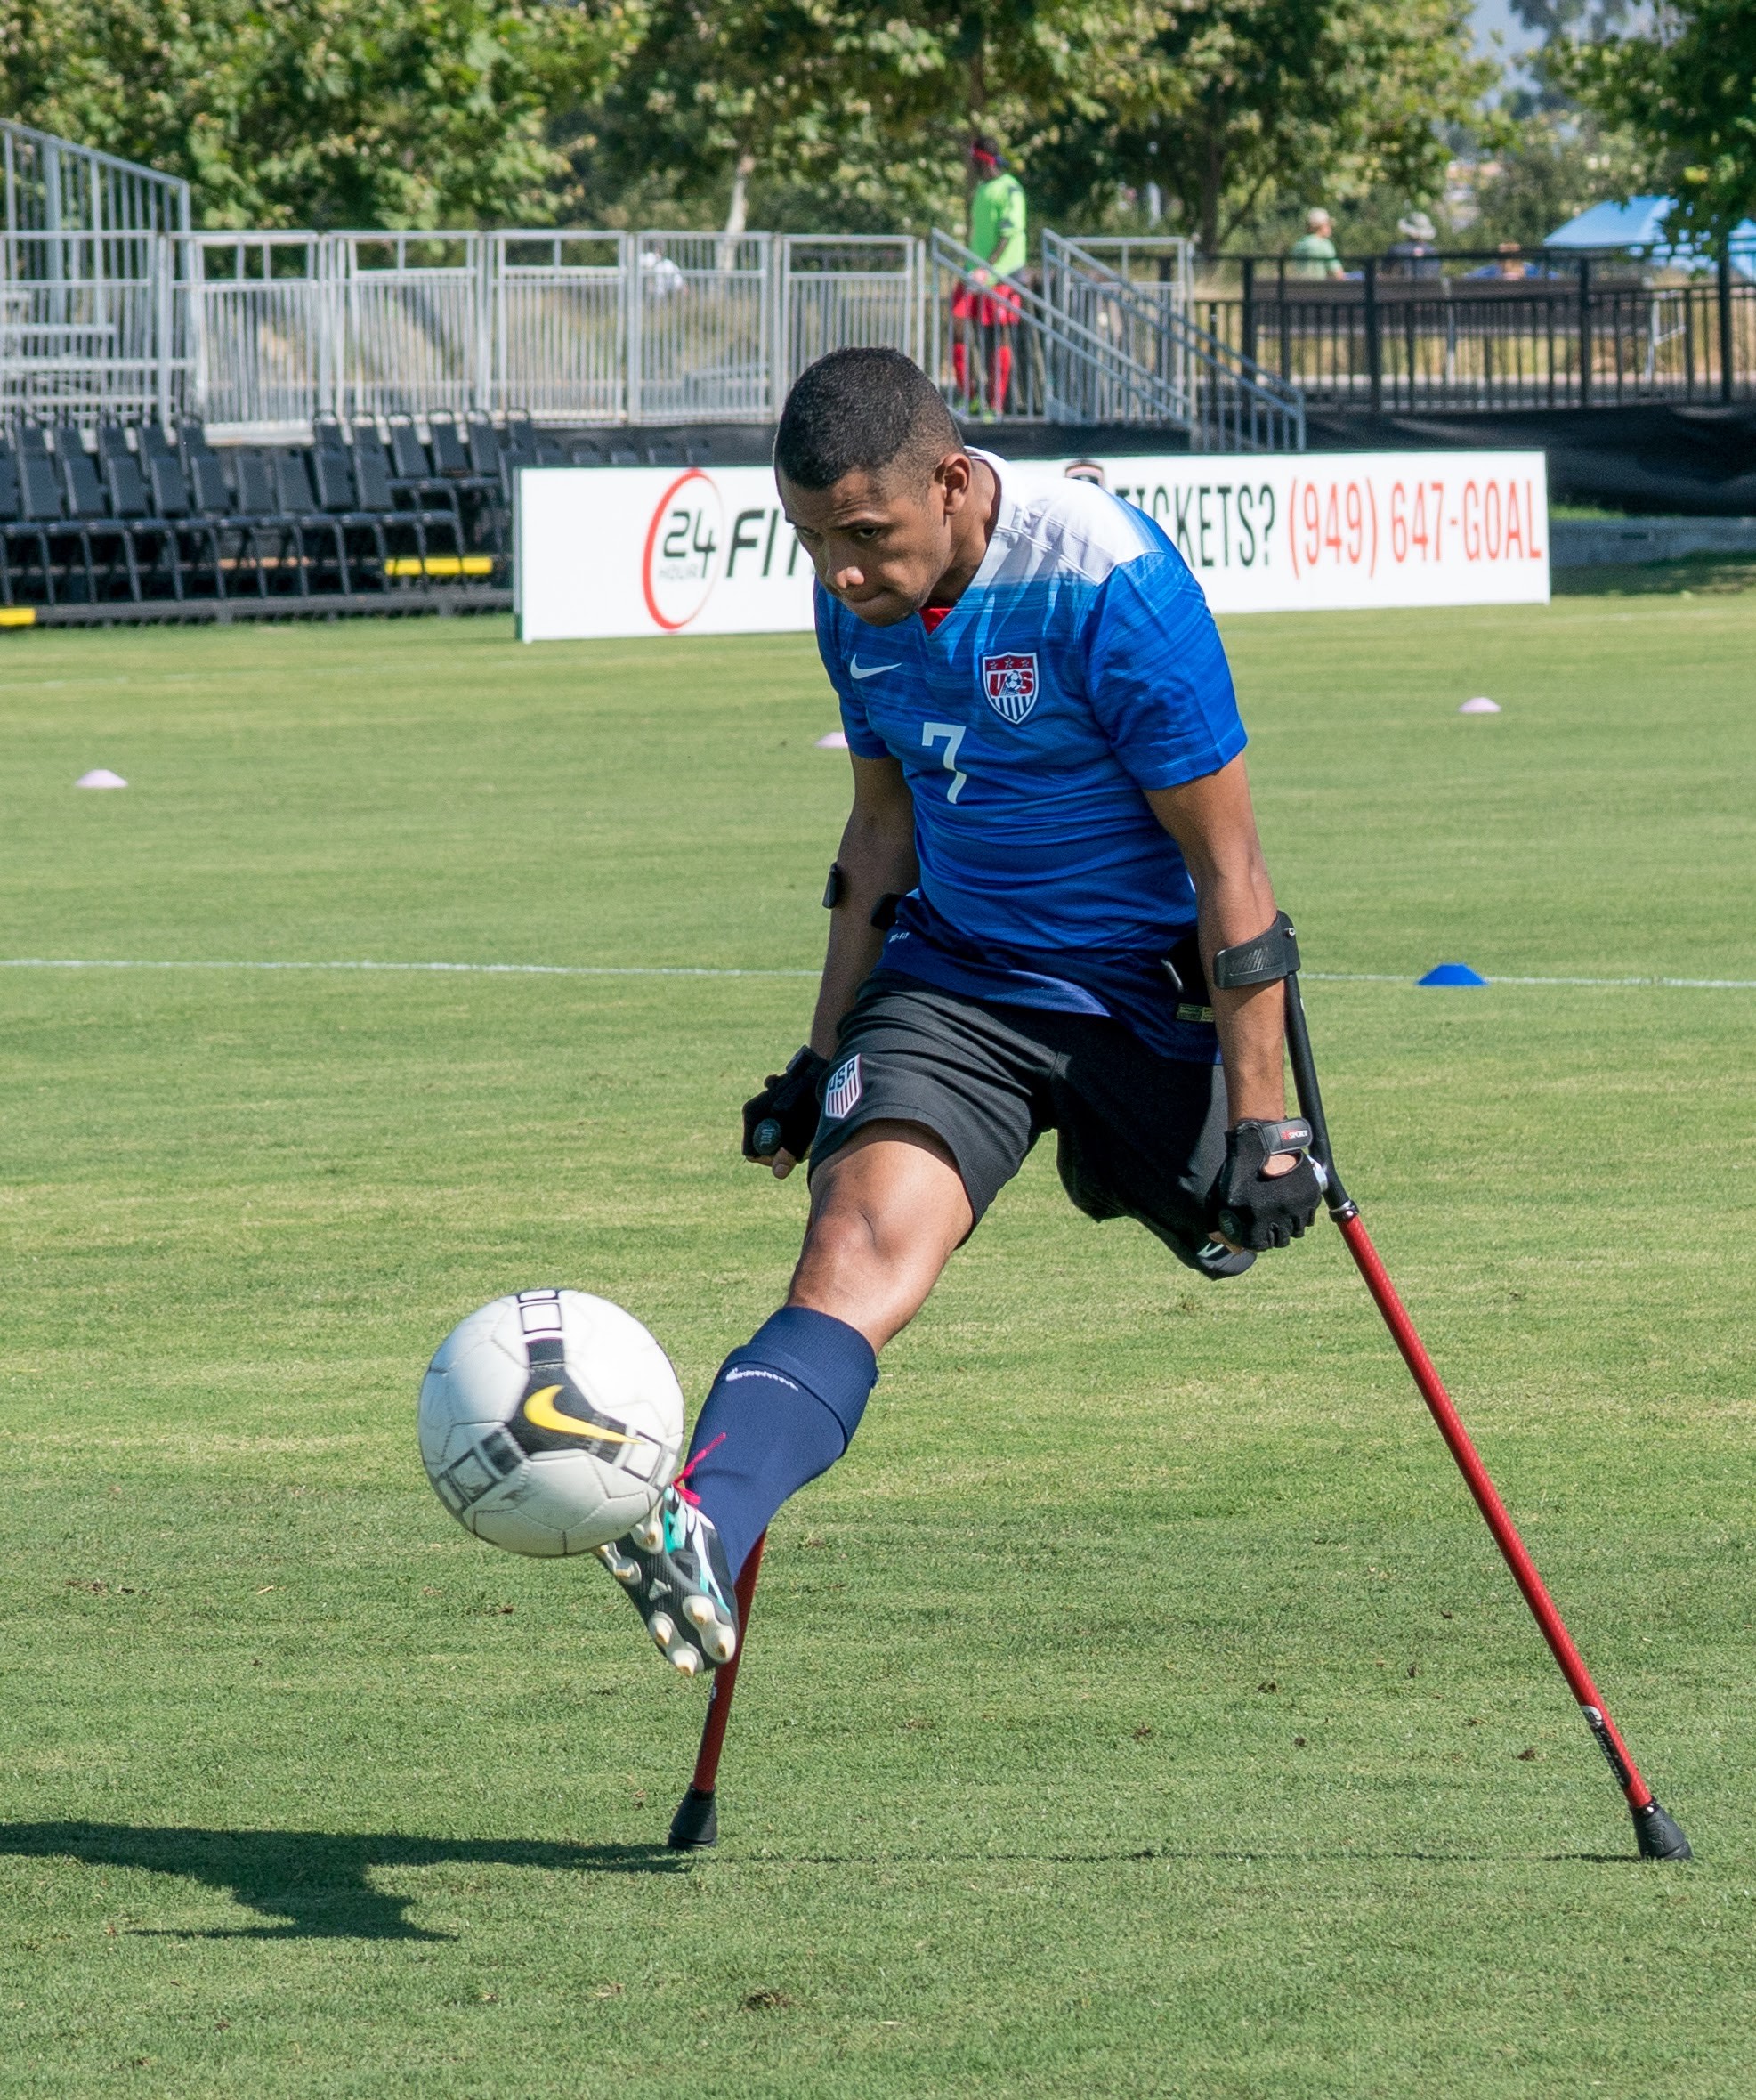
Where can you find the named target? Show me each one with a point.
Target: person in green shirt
(1312, 255)
(986, 307)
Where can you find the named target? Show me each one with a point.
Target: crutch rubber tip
(1658, 1837)
(695, 1826)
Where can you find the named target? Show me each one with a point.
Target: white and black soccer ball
(550, 1422)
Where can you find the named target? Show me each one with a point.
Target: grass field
(1141, 1707)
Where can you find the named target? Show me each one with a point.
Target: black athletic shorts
(1139, 1136)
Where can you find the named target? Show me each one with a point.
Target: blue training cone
(1452, 973)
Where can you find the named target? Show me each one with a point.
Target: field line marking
(679, 969)
(491, 969)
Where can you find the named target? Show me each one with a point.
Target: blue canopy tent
(1638, 227)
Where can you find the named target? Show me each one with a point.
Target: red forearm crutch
(1276, 955)
(695, 1826)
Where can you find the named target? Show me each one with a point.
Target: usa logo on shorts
(843, 1091)
(1010, 683)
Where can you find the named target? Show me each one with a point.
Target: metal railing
(412, 315)
(574, 326)
(88, 266)
(1229, 402)
(259, 338)
(1567, 331)
(53, 186)
(842, 288)
(561, 318)
(87, 322)
(701, 329)
(1000, 351)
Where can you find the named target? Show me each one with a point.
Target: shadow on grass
(1703, 575)
(316, 1881)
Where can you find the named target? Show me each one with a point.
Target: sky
(1491, 15)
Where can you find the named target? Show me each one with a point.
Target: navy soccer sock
(782, 1410)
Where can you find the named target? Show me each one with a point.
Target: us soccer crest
(1010, 683)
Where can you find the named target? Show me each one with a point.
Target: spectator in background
(1312, 255)
(1511, 265)
(986, 308)
(1416, 254)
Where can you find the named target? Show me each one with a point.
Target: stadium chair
(215, 506)
(484, 449)
(450, 448)
(412, 471)
(276, 548)
(364, 530)
(378, 494)
(170, 488)
(451, 442)
(17, 532)
(153, 562)
(40, 505)
(518, 448)
(624, 456)
(156, 441)
(206, 481)
(582, 452)
(323, 547)
(194, 541)
(107, 549)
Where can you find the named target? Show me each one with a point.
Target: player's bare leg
(889, 1211)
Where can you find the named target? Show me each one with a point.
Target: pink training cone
(1481, 705)
(836, 741)
(101, 776)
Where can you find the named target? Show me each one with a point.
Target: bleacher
(119, 521)
(131, 520)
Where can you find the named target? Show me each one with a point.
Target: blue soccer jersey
(1080, 666)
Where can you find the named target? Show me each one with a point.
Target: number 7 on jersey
(950, 735)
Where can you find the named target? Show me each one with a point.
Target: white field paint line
(491, 969)
(593, 970)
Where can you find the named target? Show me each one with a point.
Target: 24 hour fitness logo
(677, 570)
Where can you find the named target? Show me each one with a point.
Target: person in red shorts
(986, 309)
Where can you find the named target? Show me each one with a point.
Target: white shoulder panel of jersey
(1052, 525)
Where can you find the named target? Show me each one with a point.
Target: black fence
(1460, 331)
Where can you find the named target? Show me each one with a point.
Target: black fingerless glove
(783, 1116)
(1255, 1210)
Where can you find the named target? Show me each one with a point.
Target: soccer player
(1051, 835)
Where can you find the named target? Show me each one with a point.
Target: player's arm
(1213, 823)
(876, 858)
(1264, 1197)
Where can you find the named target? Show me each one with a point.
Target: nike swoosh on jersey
(856, 670)
(541, 1409)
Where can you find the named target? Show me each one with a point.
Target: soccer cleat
(673, 1567)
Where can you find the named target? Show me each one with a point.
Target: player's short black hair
(862, 412)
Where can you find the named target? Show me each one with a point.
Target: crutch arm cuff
(1265, 961)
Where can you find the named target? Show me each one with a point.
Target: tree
(1238, 105)
(1686, 88)
(849, 116)
(319, 112)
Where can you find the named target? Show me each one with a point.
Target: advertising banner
(622, 551)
